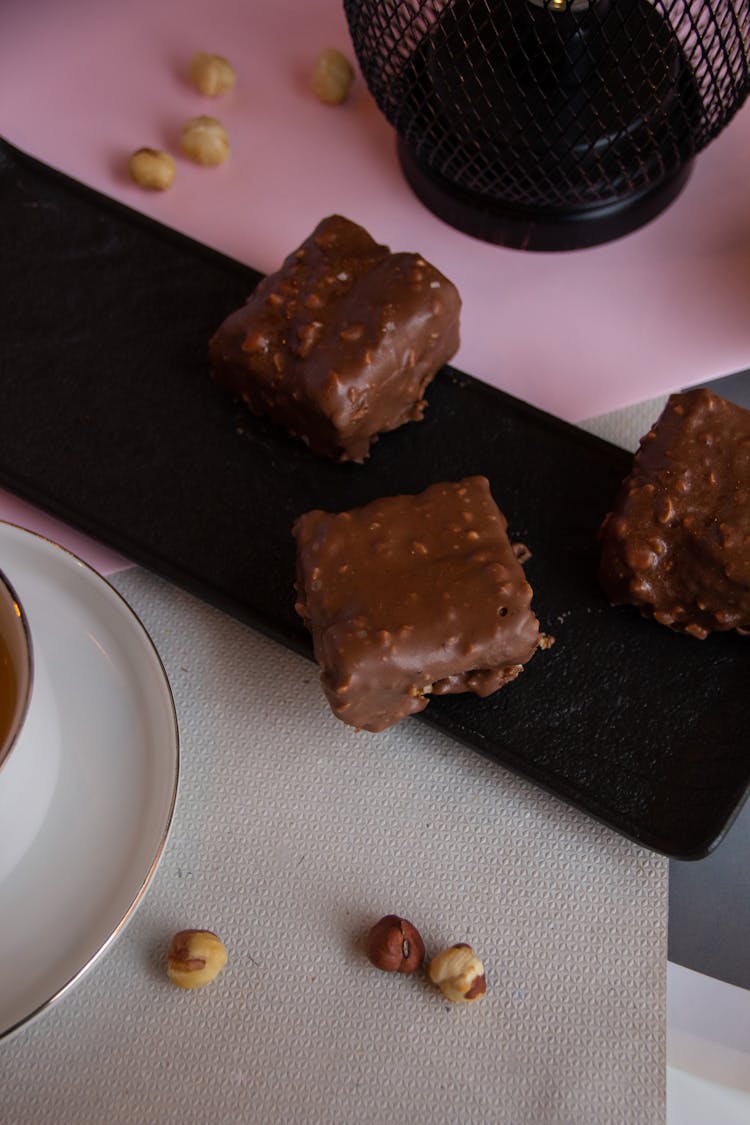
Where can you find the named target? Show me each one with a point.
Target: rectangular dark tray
(109, 419)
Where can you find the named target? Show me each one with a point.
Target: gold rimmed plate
(97, 848)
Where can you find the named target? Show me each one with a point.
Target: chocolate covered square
(339, 345)
(677, 543)
(412, 596)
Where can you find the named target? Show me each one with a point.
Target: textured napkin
(292, 835)
(626, 427)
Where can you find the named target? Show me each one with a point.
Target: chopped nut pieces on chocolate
(411, 596)
(340, 344)
(677, 542)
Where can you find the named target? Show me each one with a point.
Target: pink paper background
(84, 83)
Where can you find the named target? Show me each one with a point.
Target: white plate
(104, 830)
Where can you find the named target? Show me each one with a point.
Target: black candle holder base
(533, 227)
(552, 124)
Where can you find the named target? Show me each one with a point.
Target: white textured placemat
(626, 427)
(292, 834)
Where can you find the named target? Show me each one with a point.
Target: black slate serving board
(108, 418)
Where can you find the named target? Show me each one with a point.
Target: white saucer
(105, 828)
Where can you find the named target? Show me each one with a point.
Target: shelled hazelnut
(458, 973)
(151, 168)
(195, 958)
(212, 75)
(395, 945)
(332, 77)
(205, 140)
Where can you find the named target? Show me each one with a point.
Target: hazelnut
(458, 973)
(205, 140)
(150, 168)
(395, 946)
(195, 957)
(212, 75)
(332, 77)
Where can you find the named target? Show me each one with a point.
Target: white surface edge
(708, 1029)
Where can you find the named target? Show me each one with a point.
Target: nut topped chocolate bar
(411, 596)
(677, 542)
(339, 345)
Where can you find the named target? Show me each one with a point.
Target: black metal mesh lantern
(551, 124)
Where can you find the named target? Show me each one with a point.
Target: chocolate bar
(411, 596)
(677, 542)
(339, 345)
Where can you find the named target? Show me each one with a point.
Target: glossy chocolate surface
(340, 344)
(411, 596)
(677, 543)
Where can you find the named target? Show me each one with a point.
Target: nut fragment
(205, 140)
(458, 973)
(150, 168)
(395, 946)
(332, 77)
(195, 957)
(212, 75)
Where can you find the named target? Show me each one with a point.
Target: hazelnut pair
(204, 140)
(395, 946)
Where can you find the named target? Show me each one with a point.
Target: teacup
(29, 733)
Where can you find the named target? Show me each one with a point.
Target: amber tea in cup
(15, 668)
(29, 732)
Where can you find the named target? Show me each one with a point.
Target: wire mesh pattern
(554, 103)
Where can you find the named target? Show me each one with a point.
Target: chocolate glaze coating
(677, 542)
(340, 344)
(413, 595)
